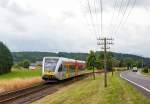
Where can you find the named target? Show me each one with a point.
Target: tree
(91, 62)
(115, 62)
(139, 63)
(129, 62)
(24, 64)
(6, 59)
(121, 63)
(145, 70)
(109, 60)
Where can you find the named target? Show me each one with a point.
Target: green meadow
(89, 91)
(21, 73)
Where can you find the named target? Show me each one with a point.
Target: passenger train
(59, 68)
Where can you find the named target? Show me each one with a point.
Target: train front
(48, 70)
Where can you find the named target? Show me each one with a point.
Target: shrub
(24, 64)
(145, 70)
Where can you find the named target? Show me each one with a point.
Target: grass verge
(148, 74)
(91, 91)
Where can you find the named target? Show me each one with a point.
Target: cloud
(36, 25)
(4, 3)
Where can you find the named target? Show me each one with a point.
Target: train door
(76, 69)
(67, 71)
(64, 68)
(60, 72)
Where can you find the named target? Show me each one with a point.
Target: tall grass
(18, 83)
(19, 78)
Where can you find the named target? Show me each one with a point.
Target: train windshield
(50, 64)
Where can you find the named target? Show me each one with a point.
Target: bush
(24, 64)
(145, 70)
(6, 59)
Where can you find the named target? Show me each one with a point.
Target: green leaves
(24, 64)
(6, 59)
(91, 60)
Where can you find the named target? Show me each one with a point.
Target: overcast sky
(64, 25)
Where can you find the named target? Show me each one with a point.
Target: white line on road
(135, 84)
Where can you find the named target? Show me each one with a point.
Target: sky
(65, 25)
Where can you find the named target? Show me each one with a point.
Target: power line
(120, 23)
(88, 22)
(101, 4)
(119, 12)
(96, 17)
(130, 12)
(92, 6)
(113, 14)
(92, 19)
(126, 18)
(120, 7)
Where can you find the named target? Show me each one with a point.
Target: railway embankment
(30, 94)
(18, 79)
(91, 91)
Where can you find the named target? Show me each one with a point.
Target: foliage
(119, 58)
(129, 62)
(115, 62)
(32, 56)
(91, 62)
(6, 59)
(145, 70)
(100, 58)
(24, 64)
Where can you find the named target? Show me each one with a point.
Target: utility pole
(104, 42)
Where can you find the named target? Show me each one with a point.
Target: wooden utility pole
(104, 42)
(105, 63)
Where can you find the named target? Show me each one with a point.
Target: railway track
(7, 98)
(28, 95)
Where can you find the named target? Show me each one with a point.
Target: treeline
(22, 64)
(38, 56)
(31, 56)
(6, 59)
(96, 60)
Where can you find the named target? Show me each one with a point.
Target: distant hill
(32, 56)
(38, 56)
(121, 56)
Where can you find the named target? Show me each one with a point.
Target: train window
(60, 68)
(81, 67)
(64, 67)
(72, 68)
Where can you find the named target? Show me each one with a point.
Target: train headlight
(49, 73)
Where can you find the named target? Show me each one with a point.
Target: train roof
(65, 59)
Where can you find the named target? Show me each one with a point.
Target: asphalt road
(141, 82)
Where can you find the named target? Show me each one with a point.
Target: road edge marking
(135, 83)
